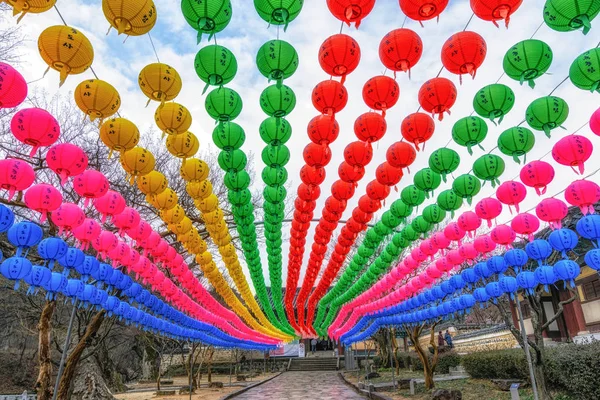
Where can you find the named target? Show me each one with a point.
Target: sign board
(301, 350)
(287, 350)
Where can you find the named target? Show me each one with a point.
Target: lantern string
(153, 48)
(404, 22)
(341, 26)
(557, 86)
(468, 22)
(60, 15)
(536, 31)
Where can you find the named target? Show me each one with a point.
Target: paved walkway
(296, 385)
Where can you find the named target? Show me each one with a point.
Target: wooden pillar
(573, 315)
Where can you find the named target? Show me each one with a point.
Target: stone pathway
(296, 385)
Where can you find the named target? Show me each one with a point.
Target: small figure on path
(440, 339)
(448, 338)
(313, 345)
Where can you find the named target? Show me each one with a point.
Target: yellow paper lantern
(203, 246)
(228, 251)
(159, 82)
(165, 200)
(194, 170)
(137, 162)
(172, 216)
(183, 238)
(204, 258)
(97, 98)
(199, 190)
(183, 146)
(132, 17)
(229, 260)
(213, 218)
(223, 241)
(173, 118)
(181, 227)
(153, 183)
(119, 134)
(29, 6)
(208, 204)
(65, 50)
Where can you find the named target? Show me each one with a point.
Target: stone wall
(499, 340)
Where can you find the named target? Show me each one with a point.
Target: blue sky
(119, 63)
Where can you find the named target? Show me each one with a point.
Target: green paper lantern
(570, 15)
(427, 180)
(469, 132)
(274, 228)
(489, 168)
(277, 60)
(401, 209)
(275, 131)
(271, 219)
(228, 136)
(237, 180)
(374, 236)
(399, 241)
(412, 196)
(277, 100)
(278, 12)
(444, 161)
(410, 234)
(232, 161)
(390, 220)
(274, 208)
(386, 258)
(420, 225)
(585, 71)
(276, 156)
(494, 101)
(274, 194)
(434, 214)
(365, 252)
(516, 142)
(246, 209)
(392, 250)
(274, 176)
(547, 113)
(382, 229)
(207, 16)
(527, 60)
(215, 65)
(466, 186)
(223, 104)
(360, 260)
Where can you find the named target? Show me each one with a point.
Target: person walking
(440, 339)
(313, 345)
(448, 339)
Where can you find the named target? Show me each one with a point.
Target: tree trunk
(537, 321)
(395, 351)
(73, 359)
(428, 364)
(44, 380)
(209, 366)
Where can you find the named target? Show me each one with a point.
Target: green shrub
(575, 369)
(447, 360)
(501, 364)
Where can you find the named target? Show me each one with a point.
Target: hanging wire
(468, 22)
(153, 48)
(404, 22)
(60, 15)
(536, 31)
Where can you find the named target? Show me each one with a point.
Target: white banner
(287, 350)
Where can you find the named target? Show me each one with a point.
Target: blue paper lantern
(7, 218)
(142, 296)
(545, 275)
(102, 273)
(538, 250)
(133, 291)
(470, 276)
(150, 301)
(528, 281)
(52, 249)
(111, 304)
(509, 285)
(37, 278)
(15, 269)
(24, 235)
(99, 299)
(563, 240)
(516, 258)
(115, 278)
(87, 294)
(56, 284)
(481, 295)
(429, 296)
(457, 282)
(592, 259)
(482, 270)
(567, 271)
(125, 282)
(72, 259)
(73, 289)
(447, 287)
(467, 301)
(89, 265)
(497, 265)
(589, 228)
(121, 310)
(494, 290)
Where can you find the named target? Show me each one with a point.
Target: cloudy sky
(119, 63)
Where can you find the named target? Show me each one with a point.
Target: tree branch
(559, 312)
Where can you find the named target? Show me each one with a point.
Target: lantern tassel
(33, 151)
(585, 21)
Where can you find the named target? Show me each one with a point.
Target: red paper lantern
(377, 191)
(437, 96)
(525, 224)
(354, 226)
(349, 173)
(469, 222)
(14, 88)
(339, 55)
(388, 175)
(35, 127)
(342, 190)
(311, 175)
(503, 235)
(43, 198)
(401, 155)
(368, 204)
(495, 10)
(400, 50)
(511, 193)
(334, 205)
(109, 205)
(463, 53)
(317, 155)
(305, 206)
(308, 192)
(329, 97)
(553, 211)
(573, 151)
(417, 128)
(66, 160)
(139, 232)
(358, 154)
(323, 129)
(15, 176)
(488, 209)
(537, 174)
(349, 11)
(381, 93)
(90, 184)
(423, 10)
(583, 194)
(370, 127)
(362, 216)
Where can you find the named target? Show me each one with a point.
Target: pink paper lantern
(67, 217)
(105, 242)
(87, 232)
(433, 272)
(583, 194)
(595, 122)
(537, 174)
(418, 255)
(410, 263)
(511, 193)
(139, 232)
(35, 127)
(573, 151)
(525, 224)
(15, 175)
(467, 251)
(454, 257)
(469, 222)
(132, 259)
(66, 160)
(150, 242)
(553, 211)
(484, 245)
(428, 248)
(120, 252)
(440, 241)
(90, 184)
(13, 88)
(43, 198)
(488, 209)
(160, 249)
(127, 219)
(503, 235)
(109, 205)
(454, 232)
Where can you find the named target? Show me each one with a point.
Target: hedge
(445, 361)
